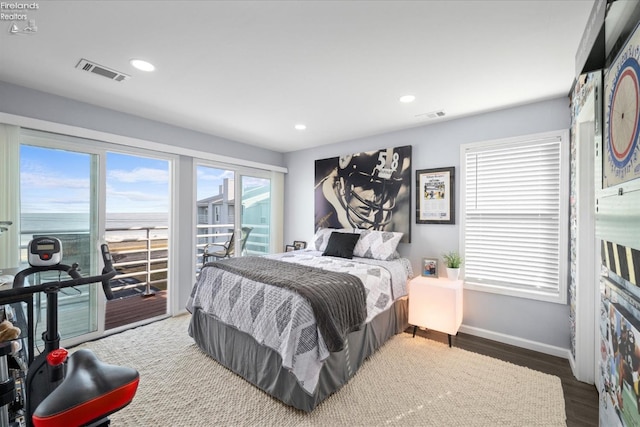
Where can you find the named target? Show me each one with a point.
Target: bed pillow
(321, 238)
(380, 245)
(341, 244)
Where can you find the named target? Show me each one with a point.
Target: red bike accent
(91, 390)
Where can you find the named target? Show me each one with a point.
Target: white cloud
(139, 175)
(211, 174)
(32, 180)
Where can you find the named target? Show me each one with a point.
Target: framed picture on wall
(366, 190)
(621, 154)
(435, 196)
(430, 267)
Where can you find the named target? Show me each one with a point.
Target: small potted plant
(453, 260)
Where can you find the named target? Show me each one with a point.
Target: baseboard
(564, 353)
(180, 312)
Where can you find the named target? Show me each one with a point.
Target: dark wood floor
(581, 400)
(124, 311)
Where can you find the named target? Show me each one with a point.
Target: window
(514, 215)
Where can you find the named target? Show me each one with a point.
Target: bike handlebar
(108, 272)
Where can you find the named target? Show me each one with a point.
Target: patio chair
(228, 248)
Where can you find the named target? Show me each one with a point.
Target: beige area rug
(408, 382)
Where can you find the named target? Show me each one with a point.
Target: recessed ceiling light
(407, 98)
(142, 65)
(300, 126)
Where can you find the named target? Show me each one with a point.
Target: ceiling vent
(431, 115)
(92, 67)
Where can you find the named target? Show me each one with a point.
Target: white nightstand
(435, 303)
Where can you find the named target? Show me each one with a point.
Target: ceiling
(249, 71)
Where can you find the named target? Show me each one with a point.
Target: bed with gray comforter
(298, 325)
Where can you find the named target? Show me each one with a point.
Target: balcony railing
(257, 243)
(140, 254)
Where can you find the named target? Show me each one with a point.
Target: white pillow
(321, 238)
(377, 245)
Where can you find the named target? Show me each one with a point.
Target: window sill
(557, 298)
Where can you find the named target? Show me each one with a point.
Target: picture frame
(435, 196)
(289, 248)
(430, 267)
(385, 173)
(621, 136)
(299, 244)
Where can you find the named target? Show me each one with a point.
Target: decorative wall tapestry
(367, 190)
(622, 115)
(620, 335)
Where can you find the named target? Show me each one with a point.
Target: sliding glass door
(218, 201)
(256, 214)
(216, 212)
(137, 232)
(84, 195)
(58, 191)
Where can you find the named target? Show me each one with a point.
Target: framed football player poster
(366, 190)
(621, 154)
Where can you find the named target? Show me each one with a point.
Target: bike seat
(90, 391)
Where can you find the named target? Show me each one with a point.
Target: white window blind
(514, 216)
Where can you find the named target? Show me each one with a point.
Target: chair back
(243, 241)
(243, 238)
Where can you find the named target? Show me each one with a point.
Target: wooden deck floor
(124, 311)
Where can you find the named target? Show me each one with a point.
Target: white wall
(538, 325)
(25, 102)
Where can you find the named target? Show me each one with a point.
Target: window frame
(560, 296)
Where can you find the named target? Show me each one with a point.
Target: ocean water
(62, 223)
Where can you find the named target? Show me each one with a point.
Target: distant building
(220, 209)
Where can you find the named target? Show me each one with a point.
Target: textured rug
(408, 382)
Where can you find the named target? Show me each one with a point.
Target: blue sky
(58, 181)
(209, 181)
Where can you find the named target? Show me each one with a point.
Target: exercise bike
(62, 390)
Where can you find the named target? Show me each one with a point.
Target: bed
(299, 324)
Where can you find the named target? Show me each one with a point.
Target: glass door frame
(98, 150)
(239, 172)
(97, 190)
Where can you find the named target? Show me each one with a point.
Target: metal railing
(257, 242)
(140, 254)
